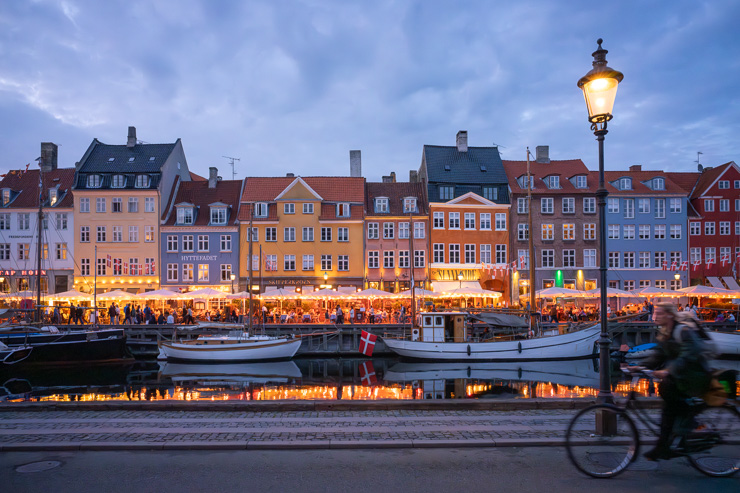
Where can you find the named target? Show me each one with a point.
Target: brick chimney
(390, 178)
(636, 167)
(543, 154)
(413, 176)
(48, 157)
(355, 164)
(462, 141)
(212, 177)
(131, 141)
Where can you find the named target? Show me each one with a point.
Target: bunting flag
(108, 261)
(521, 262)
(674, 265)
(697, 264)
(125, 268)
(725, 259)
(665, 265)
(152, 270)
(513, 266)
(684, 265)
(146, 269)
(709, 262)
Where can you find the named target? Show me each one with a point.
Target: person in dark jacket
(682, 359)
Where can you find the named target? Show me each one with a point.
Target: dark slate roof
(98, 159)
(81, 183)
(24, 186)
(197, 193)
(466, 171)
(395, 192)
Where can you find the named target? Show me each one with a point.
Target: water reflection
(308, 379)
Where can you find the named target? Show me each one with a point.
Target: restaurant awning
(731, 283)
(443, 286)
(716, 283)
(612, 293)
(556, 292)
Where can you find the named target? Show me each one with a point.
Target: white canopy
(207, 293)
(556, 292)
(420, 292)
(325, 293)
(612, 293)
(651, 292)
(20, 295)
(470, 292)
(116, 295)
(373, 293)
(279, 294)
(161, 294)
(72, 294)
(706, 291)
(240, 295)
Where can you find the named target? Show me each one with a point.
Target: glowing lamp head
(599, 87)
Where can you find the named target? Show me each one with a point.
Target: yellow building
(119, 193)
(310, 231)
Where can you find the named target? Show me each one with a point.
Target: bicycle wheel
(719, 434)
(601, 441)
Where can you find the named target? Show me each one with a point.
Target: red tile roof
(396, 192)
(684, 180)
(330, 188)
(708, 178)
(637, 186)
(246, 210)
(198, 194)
(566, 168)
(26, 185)
(195, 177)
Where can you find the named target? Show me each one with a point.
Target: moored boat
(726, 343)
(241, 347)
(262, 372)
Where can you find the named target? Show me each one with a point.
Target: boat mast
(40, 244)
(531, 245)
(260, 312)
(249, 260)
(411, 265)
(95, 287)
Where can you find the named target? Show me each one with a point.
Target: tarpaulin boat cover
(501, 320)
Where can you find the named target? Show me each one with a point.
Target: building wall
(395, 276)
(214, 257)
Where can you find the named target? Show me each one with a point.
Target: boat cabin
(441, 327)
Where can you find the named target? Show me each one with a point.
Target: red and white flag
(108, 260)
(709, 262)
(725, 259)
(367, 374)
(697, 264)
(151, 267)
(665, 265)
(521, 262)
(367, 343)
(674, 265)
(513, 266)
(684, 265)
(125, 268)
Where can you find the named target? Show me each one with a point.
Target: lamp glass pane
(600, 95)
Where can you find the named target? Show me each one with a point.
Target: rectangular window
(470, 253)
(149, 234)
(521, 205)
(644, 260)
(85, 205)
(446, 193)
(288, 262)
(117, 234)
(343, 263)
(187, 272)
(500, 221)
(569, 258)
(613, 205)
(343, 210)
(419, 259)
(581, 181)
(548, 258)
(708, 205)
(373, 261)
(522, 232)
(134, 267)
(24, 222)
(260, 209)
(288, 208)
(644, 284)
(724, 227)
(381, 205)
(676, 231)
(439, 220)
(149, 205)
(438, 252)
(100, 204)
(117, 266)
(420, 231)
(133, 234)
(4, 251)
(629, 285)
(454, 253)
(589, 205)
(403, 231)
(270, 234)
(307, 208)
(674, 206)
(724, 205)
(660, 284)
(612, 232)
(101, 234)
(710, 255)
(172, 243)
(469, 220)
(501, 255)
(724, 184)
(675, 257)
(737, 227)
(490, 193)
(307, 234)
(343, 234)
(61, 221)
(102, 267)
(271, 263)
(203, 243)
(629, 260)
(546, 205)
(589, 231)
(569, 231)
(613, 260)
(289, 235)
(23, 251)
(485, 221)
(589, 258)
(326, 263)
(660, 208)
(85, 267)
(133, 204)
(695, 255)
(485, 254)
(388, 259)
(255, 234)
(548, 232)
(218, 215)
(628, 232)
(373, 231)
(569, 205)
(188, 243)
(308, 262)
(643, 206)
(694, 228)
(84, 234)
(116, 204)
(629, 208)
(659, 258)
(61, 251)
(709, 228)
(737, 205)
(202, 272)
(403, 259)
(388, 231)
(225, 272)
(659, 232)
(523, 259)
(454, 220)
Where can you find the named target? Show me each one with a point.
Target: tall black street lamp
(600, 89)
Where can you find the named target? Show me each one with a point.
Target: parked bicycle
(603, 440)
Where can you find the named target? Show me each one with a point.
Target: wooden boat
(444, 336)
(726, 343)
(240, 347)
(229, 373)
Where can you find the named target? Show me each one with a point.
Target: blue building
(200, 235)
(646, 232)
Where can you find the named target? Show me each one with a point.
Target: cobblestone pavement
(330, 429)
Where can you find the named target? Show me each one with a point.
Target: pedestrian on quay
(72, 313)
(112, 313)
(371, 317)
(170, 318)
(352, 315)
(80, 315)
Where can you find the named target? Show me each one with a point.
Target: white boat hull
(272, 371)
(726, 343)
(578, 344)
(220, 350)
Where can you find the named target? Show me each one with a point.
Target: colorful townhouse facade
(714, 227)
(199, 235)
(119, 194)
(309, 230)
(565, 228)
(396, 236)
(20, 192)
(646, 230)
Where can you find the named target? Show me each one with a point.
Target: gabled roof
(99, 155)
(567, 168)
(330, 188)
(638, 187)
(464, 167)
(709, 178)
(195, 177)
(395, 192)
(300, 181)
(685, 180)
(25, 186)
(468, 197)
(199, 195)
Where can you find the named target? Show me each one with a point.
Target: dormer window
(625, 184)
(185, 215)
(119, 181)
(522, 180)
(93, 181)
(53, 196)
(409, 204)
(553, 181)
(142, 181)
(343, 210)
(490, 193)
(260, 209)
(6, 196)
(658, 184)
(218, 215)
(581, 181)
(381, 204)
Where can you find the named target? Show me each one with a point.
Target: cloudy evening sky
(292, 86)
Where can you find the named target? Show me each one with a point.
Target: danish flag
(521, 262)
(709, 262)
(151, 267)
(513, 265)
(684, 265)
(674, 265)
(697, 263)
(367, 374)
(108, 261)
(725, 259)
(665, 265)
(367, 343)
(125, 268)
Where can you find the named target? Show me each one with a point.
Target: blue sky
(292, 86)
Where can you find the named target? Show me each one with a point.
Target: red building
(714, 227)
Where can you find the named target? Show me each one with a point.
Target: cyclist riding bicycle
(682, 357)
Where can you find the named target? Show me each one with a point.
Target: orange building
(467, 233)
